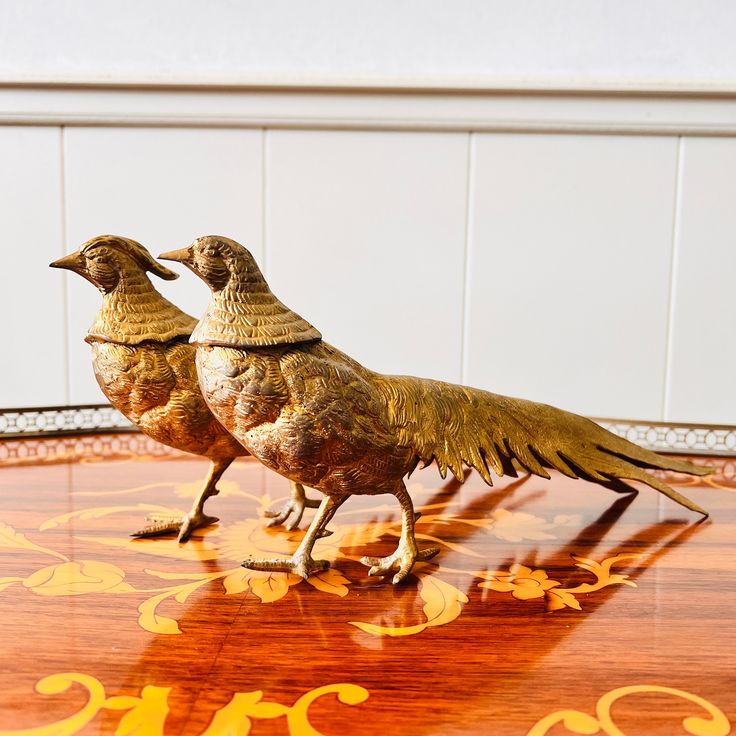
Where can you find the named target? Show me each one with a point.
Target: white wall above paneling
(33, 369)
(702, 372)
(162, 187)
(569, 270)
(528, 43)
(365, 237)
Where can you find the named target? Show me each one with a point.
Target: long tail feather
(456, 426)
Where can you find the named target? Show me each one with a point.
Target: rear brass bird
(320, 418)
(145, 366)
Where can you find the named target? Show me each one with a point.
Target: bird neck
(134, 312)
(246, 313)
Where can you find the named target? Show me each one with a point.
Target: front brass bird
(315, 415)
(145, 366)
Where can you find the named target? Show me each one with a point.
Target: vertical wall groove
(676, 219)
(65, 275)
(469, 205)
(264, 200)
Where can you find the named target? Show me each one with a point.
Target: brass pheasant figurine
(145, 366)
(315, 415)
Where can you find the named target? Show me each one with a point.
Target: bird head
(107, 260)
(218, 261)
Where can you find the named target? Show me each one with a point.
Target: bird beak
(181, 256)
(72, 262)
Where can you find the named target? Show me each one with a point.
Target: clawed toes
(307, 568)
(294, 507)
(401, 575)
(197, 522)
(182, 526)
(428, 554)
(293, 525)
(277, 518)
(402, 564)
(159, 526)
(297, 566)
(379, 565)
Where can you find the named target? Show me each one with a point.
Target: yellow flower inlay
(522, 582)
(77, 578)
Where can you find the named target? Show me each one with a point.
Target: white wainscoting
(569, 269)
(576, 249)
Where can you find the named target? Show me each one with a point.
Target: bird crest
(135, 251)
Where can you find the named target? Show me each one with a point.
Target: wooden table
(550, 602)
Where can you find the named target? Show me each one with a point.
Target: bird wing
(456, 425)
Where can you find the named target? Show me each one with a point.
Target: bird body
(317, 416)
(145, 366)
(290, 408)
(307, 411)
(151, 384)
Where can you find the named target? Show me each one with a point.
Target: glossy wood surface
(546, 597)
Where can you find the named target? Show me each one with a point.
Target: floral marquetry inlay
(229, 544)
(146, 714)
(577, 722)
(545, 595)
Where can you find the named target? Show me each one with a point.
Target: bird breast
(135, 378)
(155, 385)
(307, 412)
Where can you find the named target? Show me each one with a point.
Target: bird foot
(183, 526)
(401, 561)
(295, 505)
(299, 565)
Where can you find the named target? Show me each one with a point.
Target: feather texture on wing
(456, 425)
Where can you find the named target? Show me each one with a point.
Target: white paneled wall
(701, 383)
(365, 236)
(569, 269)
(590, 271)
(33, 356)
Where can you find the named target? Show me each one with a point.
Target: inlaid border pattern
(56, 421)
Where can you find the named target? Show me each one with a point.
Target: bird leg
(296, 505)
(406, 554)
(161, 524)
(301, 562)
